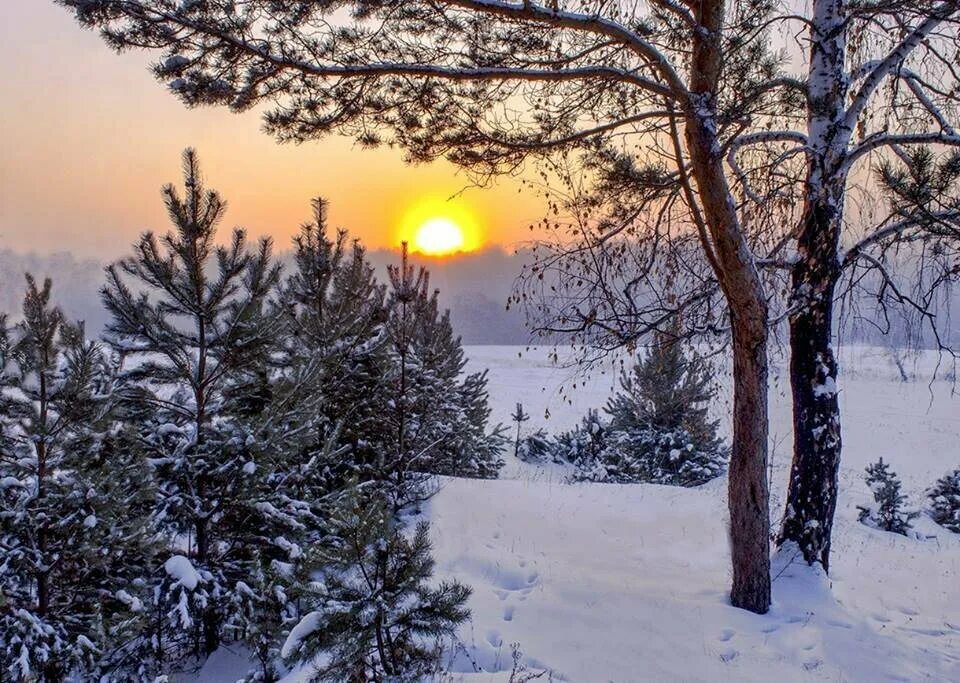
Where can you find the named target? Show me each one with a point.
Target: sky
(89, 138)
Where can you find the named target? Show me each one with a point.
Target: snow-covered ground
(628, 583)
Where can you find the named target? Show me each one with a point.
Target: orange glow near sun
(438, 227)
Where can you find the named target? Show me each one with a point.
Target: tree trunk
(732, 260)
(747, 479)
(812, 493)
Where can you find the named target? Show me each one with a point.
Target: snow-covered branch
(949, 219)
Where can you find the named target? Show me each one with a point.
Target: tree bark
(747, 484)
(733, 263)
(812, 492)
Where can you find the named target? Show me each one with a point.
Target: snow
(131, 601)
(826, 388)
(602, 581)
(179, 567)
(607, 582)
(306, 626)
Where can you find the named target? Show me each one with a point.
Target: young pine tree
(439, 420)
(188, 315)
(659, 429)
(537, 447)
(75, 498)
(584, 444)
(518, 416)
(334, 355)
(945, 501)
(374, 616)
(888, 512)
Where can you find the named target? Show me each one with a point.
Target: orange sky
(89, 137)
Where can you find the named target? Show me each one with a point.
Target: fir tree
(188, 314)
(888, 511)
(945, 501)
(75, 500)
(373, 615)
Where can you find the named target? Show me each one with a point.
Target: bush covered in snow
(887, 512)
(945, 501)
(646, 454)
(536, 447)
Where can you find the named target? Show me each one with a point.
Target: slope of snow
(626, 583)
(623, 583)
(603, 582)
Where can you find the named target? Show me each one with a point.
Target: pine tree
(373, 615)
(188, 314)
(659, 430)
(888, 512)
(334, 355)
(519, 417)
(75, 499)
(945, 501)
(440, 421)
(584, 443)
(536, 448)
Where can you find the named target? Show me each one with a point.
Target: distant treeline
(473, 286)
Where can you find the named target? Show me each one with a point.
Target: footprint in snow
(728, 655)
(726, 635)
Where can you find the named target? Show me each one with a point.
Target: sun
(439, 236)
(439, 226)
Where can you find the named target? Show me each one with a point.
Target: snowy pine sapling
(438, 424)
(188, 315)
(888, 511)
(659, 428)
(373, 615)
(536, 448)
(75, 500)
(584, 443)
(519, 417)
(945, 501)
(333, 353)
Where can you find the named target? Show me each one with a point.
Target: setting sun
(439, 236)
(437, 226)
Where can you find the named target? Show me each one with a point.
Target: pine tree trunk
(747, 479)
(812, 493)
(733, 263)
